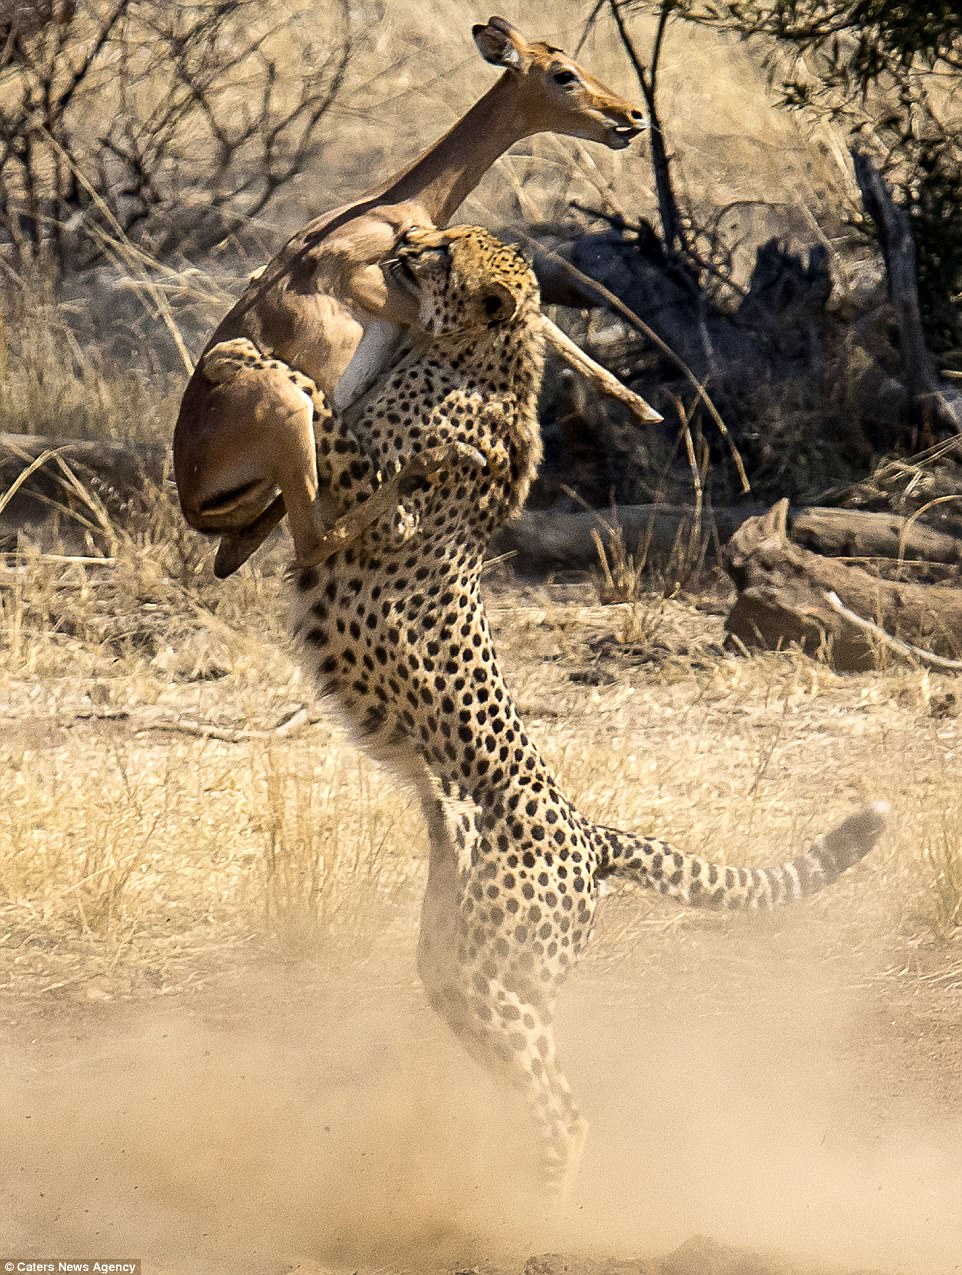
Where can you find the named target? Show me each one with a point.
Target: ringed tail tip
(856, 835)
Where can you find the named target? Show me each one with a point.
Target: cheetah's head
(464, 278)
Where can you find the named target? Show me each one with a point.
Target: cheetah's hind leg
(427, 467)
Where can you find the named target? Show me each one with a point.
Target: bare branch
(199, 124)
(60, 105)
(671, 221)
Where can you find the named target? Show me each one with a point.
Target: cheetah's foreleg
(427, 467)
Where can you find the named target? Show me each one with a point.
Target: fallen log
(546, 538)
(788, 595)
(852, 533)
(120, 472)
(549, 539)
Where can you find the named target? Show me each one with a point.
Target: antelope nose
(637, 116)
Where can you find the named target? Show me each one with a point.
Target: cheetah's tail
(701, 883)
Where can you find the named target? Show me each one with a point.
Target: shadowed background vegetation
(151, 155)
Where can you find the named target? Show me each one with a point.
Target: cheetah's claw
(431, 465)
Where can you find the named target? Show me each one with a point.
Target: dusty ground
(218, 1057)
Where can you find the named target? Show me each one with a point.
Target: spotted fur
(397, 635)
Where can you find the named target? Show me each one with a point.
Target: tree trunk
(930, 397)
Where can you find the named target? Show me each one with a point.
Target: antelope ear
(501, 44)
(498, 303)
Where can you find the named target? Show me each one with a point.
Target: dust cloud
(341, 1126)
(342, 1130)
(767, 1127)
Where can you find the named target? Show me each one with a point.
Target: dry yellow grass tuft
(54, 383)
(162, 803)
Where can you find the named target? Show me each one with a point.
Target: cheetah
(397, 635)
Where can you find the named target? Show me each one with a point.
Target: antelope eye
(564, 77)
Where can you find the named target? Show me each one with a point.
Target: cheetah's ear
(499, 303)
(526, 251)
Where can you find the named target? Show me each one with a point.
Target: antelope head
(555, 93)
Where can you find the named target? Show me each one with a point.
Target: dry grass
(322, 872)
(254, 902)
(55, 379)
(620, 571)
(208, 923)
(136, 850)
(152, 816)
(942, 852)
(624, 574)
(154, 820)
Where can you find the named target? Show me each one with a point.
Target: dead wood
(292, 723)
(120, 473)
(905, 649)
(544, 538)
(851, 533)
(785, 598)
(547, 538)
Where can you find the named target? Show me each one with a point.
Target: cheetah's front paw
(405, 525)
(227, 358)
